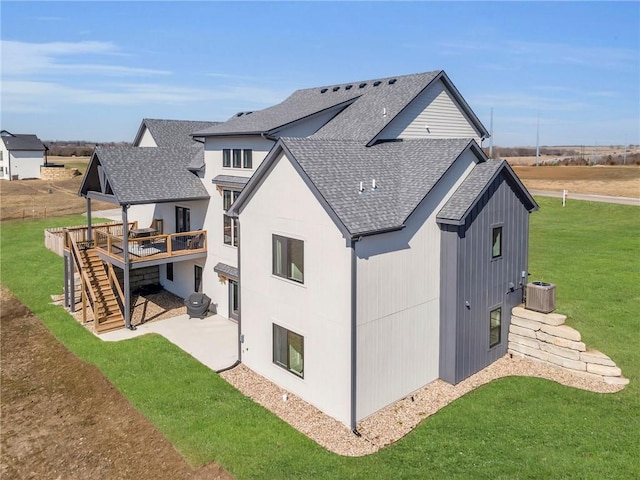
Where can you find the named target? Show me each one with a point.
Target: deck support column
(65, 263)
(72, 282)
(89, 230)
(125, 257)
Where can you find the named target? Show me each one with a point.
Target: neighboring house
(21, 156)
(357, 233)
(168, 133)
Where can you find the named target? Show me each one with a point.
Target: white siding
(398, 296)
(434, 108)
(217, 251)
(4, 161)
(25, 164)
(146, 140)
(319, 309)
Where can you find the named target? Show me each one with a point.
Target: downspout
(354, 343)
(240, 339)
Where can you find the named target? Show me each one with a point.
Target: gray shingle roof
(230, 180)
(22, 142)
(405, 172)
(148, 175)
(468, 193)
(362, 119)
(173, 133)
(226, 270)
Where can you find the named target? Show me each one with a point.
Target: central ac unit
(541, 297)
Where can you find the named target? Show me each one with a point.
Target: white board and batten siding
(436, 109)
(319, 309)
(398, 302)
(217, 251)
(146, 139)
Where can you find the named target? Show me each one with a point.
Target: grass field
(511, 428)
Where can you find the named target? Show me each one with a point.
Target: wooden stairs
(98, 283)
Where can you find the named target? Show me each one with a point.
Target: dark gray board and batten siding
(473, 283)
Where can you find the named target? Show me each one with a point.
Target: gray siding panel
(481, 281)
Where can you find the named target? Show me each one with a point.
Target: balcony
(150, 249)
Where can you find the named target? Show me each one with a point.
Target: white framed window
(288, 258)
(229, 225)
(288, 350)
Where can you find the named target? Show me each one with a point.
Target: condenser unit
(541, 297)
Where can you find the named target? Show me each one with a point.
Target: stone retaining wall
(544, 338)
(58, 173)
(140, 277)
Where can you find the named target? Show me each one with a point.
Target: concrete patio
(213, 341)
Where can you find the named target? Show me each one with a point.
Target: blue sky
(92, 70)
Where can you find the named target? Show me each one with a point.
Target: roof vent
(324, 90)
(376, 83)
(248, 113)
(362, 85)
(239, 114)
(335, 89)
(348, 87)
(392, 81)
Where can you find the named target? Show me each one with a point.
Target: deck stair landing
(103, 298)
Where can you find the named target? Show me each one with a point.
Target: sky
(93, 70)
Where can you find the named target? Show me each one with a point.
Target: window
(183, 220)
(495, 322)
(496, 243)
(288, 350)
(237, 155)
(230, 225)
(197, 278)
(170, 271)
(237, 158)
(288, 258)
(247, 160)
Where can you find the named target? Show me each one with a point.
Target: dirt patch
(61, 418)
(43, 198)
(600, 180)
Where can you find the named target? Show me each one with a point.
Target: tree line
(77, 148)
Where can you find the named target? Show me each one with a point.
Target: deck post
(65, 262)
(125, 257)
(72, 282)
(89, 230)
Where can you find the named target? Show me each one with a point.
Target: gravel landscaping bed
(396, 420)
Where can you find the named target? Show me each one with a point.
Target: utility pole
(491, 135)
(538, 139)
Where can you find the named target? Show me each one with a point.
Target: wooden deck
(108, 241)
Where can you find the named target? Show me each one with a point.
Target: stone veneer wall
(544, 338)
(58, 173)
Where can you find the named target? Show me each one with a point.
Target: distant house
(168, 133)
(21, 156)
(356, 232)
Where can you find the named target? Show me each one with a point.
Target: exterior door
(233, 299)
(183, 220)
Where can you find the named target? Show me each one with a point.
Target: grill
(197, 305)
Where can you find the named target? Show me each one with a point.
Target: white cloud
(22, 58)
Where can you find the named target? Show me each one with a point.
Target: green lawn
(511, 428)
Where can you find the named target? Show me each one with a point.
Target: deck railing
(153, 247)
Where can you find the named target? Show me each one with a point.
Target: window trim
(233, 223)
(495, 308)
(275, 353)
(187, 211)
(226, 157)
(197, 287)
(495, 228)
(247, 158)
(237, 158)
(286, 260)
